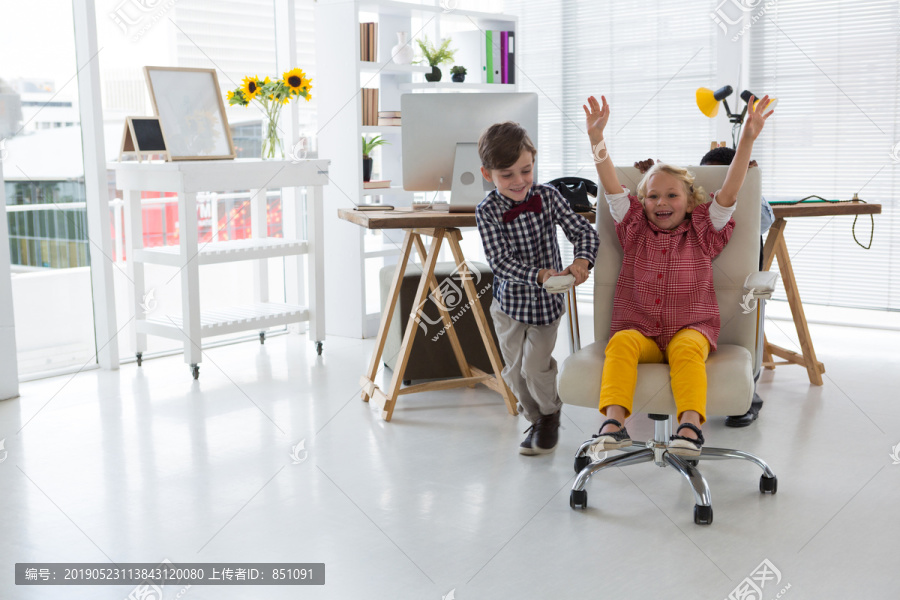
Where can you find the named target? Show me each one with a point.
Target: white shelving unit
(341, 74)
(187, 179)
(389, 67)
(458, 87)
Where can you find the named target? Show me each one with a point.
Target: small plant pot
(367, 168)
(458, 77)
(435, 75)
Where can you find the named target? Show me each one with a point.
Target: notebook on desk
(459, 203)
(427, 206)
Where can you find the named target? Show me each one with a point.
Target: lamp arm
(727, 109)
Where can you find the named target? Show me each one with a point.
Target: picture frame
(189, 105)
(143, 136)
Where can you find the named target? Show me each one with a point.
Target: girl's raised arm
(756, 119)
(597, 118)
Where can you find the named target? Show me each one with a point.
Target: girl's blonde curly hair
(695, 194)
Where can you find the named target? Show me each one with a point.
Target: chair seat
(729, 375)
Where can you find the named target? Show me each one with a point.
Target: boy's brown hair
(501, 145)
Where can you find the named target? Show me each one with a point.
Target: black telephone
(576, 190)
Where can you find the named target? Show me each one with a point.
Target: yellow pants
(686, 354)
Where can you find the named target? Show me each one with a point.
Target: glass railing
(52, 295)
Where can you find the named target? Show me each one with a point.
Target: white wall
(54, 319)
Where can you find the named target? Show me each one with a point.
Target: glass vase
(271, 138)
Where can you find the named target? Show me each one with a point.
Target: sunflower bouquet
(272, 96)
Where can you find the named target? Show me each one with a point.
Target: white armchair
(731, 369)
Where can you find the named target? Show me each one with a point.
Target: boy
(517, 222)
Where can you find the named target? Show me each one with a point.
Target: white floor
(144, 464)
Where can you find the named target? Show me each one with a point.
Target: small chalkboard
(143, 136)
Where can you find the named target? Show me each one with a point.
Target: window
(833, 67)
(648, 60)
(44, 189)
(237, 38)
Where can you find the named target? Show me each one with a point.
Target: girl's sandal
(685, 446)
(609, 441)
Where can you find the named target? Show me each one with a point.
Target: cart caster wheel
(768, 485)
(262, 337)
(195, 371)
(319, 348)
(703, 515)
(581, 462)
(140, 358)
(578, 499)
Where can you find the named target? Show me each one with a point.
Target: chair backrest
(739, 258)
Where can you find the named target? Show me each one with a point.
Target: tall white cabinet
(351, 252)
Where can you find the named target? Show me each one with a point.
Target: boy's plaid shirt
(518, 250)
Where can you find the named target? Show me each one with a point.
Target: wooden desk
(775, 246)
(438, 226)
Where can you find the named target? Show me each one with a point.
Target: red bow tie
(533, 204)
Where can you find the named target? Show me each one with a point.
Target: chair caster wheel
(703, 515)
(693, 462)
(581, 462)
(407, 382)
(578, 499)
(768, 485)
(319, 348)
(195, 371)
(140, 358)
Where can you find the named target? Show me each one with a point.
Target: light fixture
(745, 96)
(708, 100)
(708, 103)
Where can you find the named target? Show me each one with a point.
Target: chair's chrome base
(656, 451)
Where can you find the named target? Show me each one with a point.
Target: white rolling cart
(186, 179)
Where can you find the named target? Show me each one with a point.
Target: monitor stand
(466, 189)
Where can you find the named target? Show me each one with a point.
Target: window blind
(647, 58)
(833, 67)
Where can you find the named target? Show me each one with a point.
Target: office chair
(731, 369)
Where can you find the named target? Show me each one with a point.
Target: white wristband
(596, 149)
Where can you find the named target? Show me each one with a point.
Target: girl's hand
(596, 116)
(756, 117)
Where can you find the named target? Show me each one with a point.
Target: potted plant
(367, 146)
(458, 74)
(435, 56)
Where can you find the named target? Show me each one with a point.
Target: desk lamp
(708, 103)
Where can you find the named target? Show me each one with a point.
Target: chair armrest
(761, 284)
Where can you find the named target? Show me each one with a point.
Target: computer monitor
(440, 140)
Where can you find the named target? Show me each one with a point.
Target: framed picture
(191, 112)
(143, 136)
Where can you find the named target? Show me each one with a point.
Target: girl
(665, 306)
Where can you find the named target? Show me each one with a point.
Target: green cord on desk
(821, 199)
